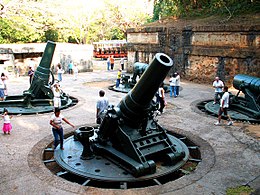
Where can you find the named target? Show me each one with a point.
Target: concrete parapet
(223, 50)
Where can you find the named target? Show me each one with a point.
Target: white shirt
(161, 92)
(225, 99)
(57, 120)
(6, 119)
(122, 61)
(60, 70)
(172, 81)
(218, 86)
(178, 80)
(75, 69)
(102, 104)
(2, 84)
(56, 93)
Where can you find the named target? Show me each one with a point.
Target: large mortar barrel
(135, 106)
(242, 81)
(43, 70)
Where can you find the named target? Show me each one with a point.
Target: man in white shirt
(218, 85)
(223, 107)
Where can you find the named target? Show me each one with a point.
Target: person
(102, 105)
(223, 107)
(7, 127)
(173, 85)
(161, 98)
(108, 63)
(119, 74)
(30, 74)
(59, 72)
(122, 63)
(57, 129)
(178, 84)
(4, 79)
(76, 72)
(218, 85)
(56, 95)
(70, 66)
(2, 90)
(16, 71)
(112, 62)
(31, 64)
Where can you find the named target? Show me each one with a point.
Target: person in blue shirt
(70, 66)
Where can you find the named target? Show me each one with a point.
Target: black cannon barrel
(134, 107)
(43, 70)
(245, 81)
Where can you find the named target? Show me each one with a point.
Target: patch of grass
(240, 190)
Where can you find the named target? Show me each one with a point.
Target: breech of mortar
(250, 86)
(129, 134)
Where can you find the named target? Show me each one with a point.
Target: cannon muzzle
(135, 106)
(250, 86)
(241, 82)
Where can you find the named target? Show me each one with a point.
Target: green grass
(240, 190)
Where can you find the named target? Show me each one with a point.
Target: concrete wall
(201, 52)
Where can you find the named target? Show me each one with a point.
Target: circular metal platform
(208, 107)
(121, 88)
(100, 168)
(103, 173)
(17, 107)
(124, 89)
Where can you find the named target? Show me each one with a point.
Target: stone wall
(202, 52)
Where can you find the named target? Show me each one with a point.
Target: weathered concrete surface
(236, 159)
(208, 50)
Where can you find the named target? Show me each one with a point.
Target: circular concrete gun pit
(100, 172)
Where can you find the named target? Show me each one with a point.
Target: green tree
(51, 35)
(187, 8)
(71, 21)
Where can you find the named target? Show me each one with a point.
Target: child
(57, 129)
(7, 127)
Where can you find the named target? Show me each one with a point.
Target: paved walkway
(236, 159)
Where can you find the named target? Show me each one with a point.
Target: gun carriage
(129, 139)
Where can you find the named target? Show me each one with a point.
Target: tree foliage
(82, 21)
(75, 21)
(190, 8)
